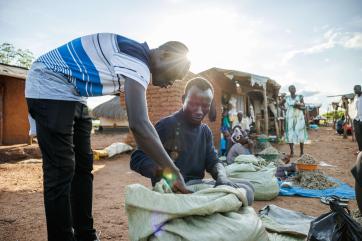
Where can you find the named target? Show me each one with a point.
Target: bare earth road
(21, 202)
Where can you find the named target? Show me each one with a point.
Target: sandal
(341, 201)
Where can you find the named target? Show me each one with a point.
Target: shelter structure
(14, 124)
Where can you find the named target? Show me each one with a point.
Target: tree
(7, 53)
(18, 57)
(24, 57)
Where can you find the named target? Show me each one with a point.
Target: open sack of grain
(211, 214)
(258, 172)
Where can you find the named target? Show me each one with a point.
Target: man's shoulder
(206, 128)
(168, 120)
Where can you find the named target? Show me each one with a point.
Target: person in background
(188, 141)
(242, 145)
(282, 112)
(357, 119)
(340, 125)
(32, 129)
(225, 142)
(243, 123)
(56, 89)
(295, 129)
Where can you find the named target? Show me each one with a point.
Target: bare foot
(286, 159)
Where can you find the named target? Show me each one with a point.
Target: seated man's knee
(248, 188)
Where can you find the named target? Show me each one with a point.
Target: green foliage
(334, 114)
(18, 57)
(7, 53)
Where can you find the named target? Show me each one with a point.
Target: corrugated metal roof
(13, 71)
(230, 73)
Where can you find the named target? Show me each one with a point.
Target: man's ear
(212, 113)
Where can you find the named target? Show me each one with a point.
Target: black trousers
(357, 126)
(63, 131)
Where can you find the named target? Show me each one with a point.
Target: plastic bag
(117, 148)
(336, 225)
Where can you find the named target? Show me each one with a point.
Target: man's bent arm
(144, 132)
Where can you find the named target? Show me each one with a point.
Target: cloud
(354, 42)
(331, 39)
(308, 93)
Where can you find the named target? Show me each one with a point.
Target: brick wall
(163, 102)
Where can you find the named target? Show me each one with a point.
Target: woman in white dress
(295, 128)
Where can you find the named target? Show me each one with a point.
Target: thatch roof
(111, 110)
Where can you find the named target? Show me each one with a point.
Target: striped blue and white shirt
(92, 65)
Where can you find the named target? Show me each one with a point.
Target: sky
(314, 44)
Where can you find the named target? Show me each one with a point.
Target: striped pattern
(96, 65)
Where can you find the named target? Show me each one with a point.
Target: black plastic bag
(336, 225)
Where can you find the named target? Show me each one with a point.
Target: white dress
(295, 129)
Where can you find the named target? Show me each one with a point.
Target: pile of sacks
(258, 172)
(212, 214)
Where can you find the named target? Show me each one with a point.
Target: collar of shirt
(180, 115)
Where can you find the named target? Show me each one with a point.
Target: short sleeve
(132, 68)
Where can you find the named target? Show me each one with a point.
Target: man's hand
(225, 181)
(176, 181)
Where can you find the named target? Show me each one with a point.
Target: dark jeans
(63, 131)
(357, 126)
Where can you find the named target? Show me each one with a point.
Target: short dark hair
(199, 82)
(174, 47)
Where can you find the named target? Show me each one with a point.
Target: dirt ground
(21, 202)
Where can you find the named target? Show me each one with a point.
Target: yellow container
(98, 154)
(307, 167)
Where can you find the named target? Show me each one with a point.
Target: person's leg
(357, 174)
(359, 134)
(356, 132)
(358, 190)
(56, 144)
(291, 146)
(82, 184)
(301, 149)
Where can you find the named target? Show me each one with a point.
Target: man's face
(357, 89)
(197, 104)
(168, 67)
(292, 89)
(240, 116)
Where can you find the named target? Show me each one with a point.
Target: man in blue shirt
(56, 87)
(188, 141)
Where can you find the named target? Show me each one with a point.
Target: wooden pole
(1, 113)
(266, 116)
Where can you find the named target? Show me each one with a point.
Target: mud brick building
(14, 125)
(247, 89)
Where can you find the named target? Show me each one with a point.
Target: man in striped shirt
(57, 86)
